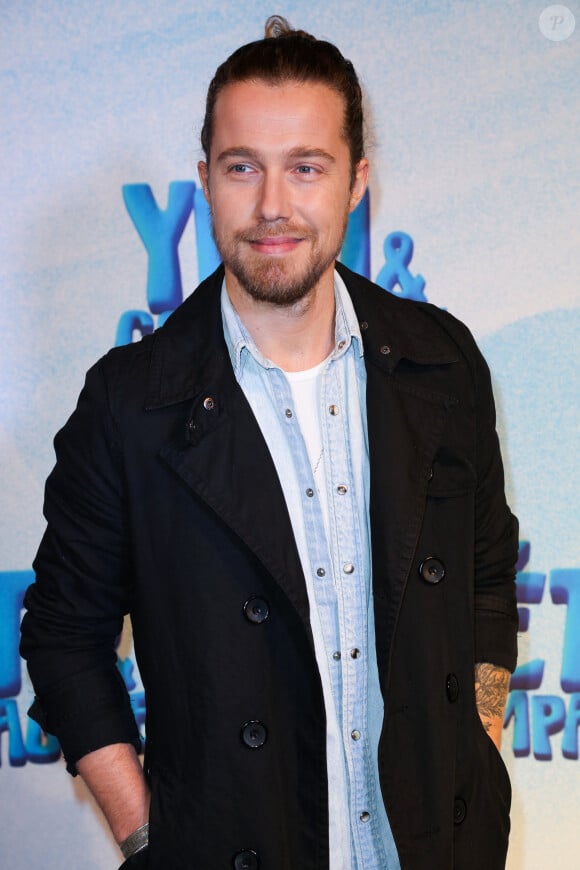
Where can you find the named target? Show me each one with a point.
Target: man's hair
(287, 55)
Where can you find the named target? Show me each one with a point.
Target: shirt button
(364, 817)
(309, 492)
(333, 409)
(288, 412)
(321, 572)
(336, 656)
(355, 735)
(341, 344)
(355, 653)
(348, 568)
(342, 489)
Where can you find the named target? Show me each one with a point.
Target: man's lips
(275, 244)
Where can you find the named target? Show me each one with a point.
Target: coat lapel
(405, 425)
(218, 449)
(405, 429)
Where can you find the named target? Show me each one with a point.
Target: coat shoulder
(415, 323)
(158, 369)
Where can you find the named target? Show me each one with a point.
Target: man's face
(279, 187)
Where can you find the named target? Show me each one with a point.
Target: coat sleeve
(75, 608)
(496, 539)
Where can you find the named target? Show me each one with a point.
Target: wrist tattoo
(491, 687)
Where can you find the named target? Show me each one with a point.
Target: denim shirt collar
(238, 339)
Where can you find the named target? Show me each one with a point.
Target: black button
(247, 859)
(256, 610)
(459, 811)
(432, 569)
(452, 688)
(254, 734)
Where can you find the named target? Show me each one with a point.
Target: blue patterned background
(473, 125)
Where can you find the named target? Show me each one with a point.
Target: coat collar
(396, 329)
(189, 352)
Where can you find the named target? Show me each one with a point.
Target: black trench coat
(165, 503)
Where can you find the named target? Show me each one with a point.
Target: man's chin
(283, 294)
(273, 282)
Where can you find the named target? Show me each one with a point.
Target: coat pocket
(451, 475)
(495, 765)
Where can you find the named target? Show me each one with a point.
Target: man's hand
(115, 777)
(491, 689)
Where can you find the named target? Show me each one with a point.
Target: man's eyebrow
(306, 152)
(237, 151)
(299, 152)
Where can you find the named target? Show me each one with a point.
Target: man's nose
(274, 200)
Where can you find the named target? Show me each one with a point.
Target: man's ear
(203, 171)
(359, 184)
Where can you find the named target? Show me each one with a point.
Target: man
(295, 489)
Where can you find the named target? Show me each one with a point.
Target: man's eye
(239, 168)
(305, 170)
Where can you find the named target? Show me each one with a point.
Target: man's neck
(295, 337)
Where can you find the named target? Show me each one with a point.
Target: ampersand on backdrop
(398, 251)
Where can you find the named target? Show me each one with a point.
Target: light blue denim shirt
(337, 568)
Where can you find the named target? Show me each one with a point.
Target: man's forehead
(287, 106)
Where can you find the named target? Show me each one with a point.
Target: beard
(277, 280)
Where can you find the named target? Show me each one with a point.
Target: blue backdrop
(473, 124)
